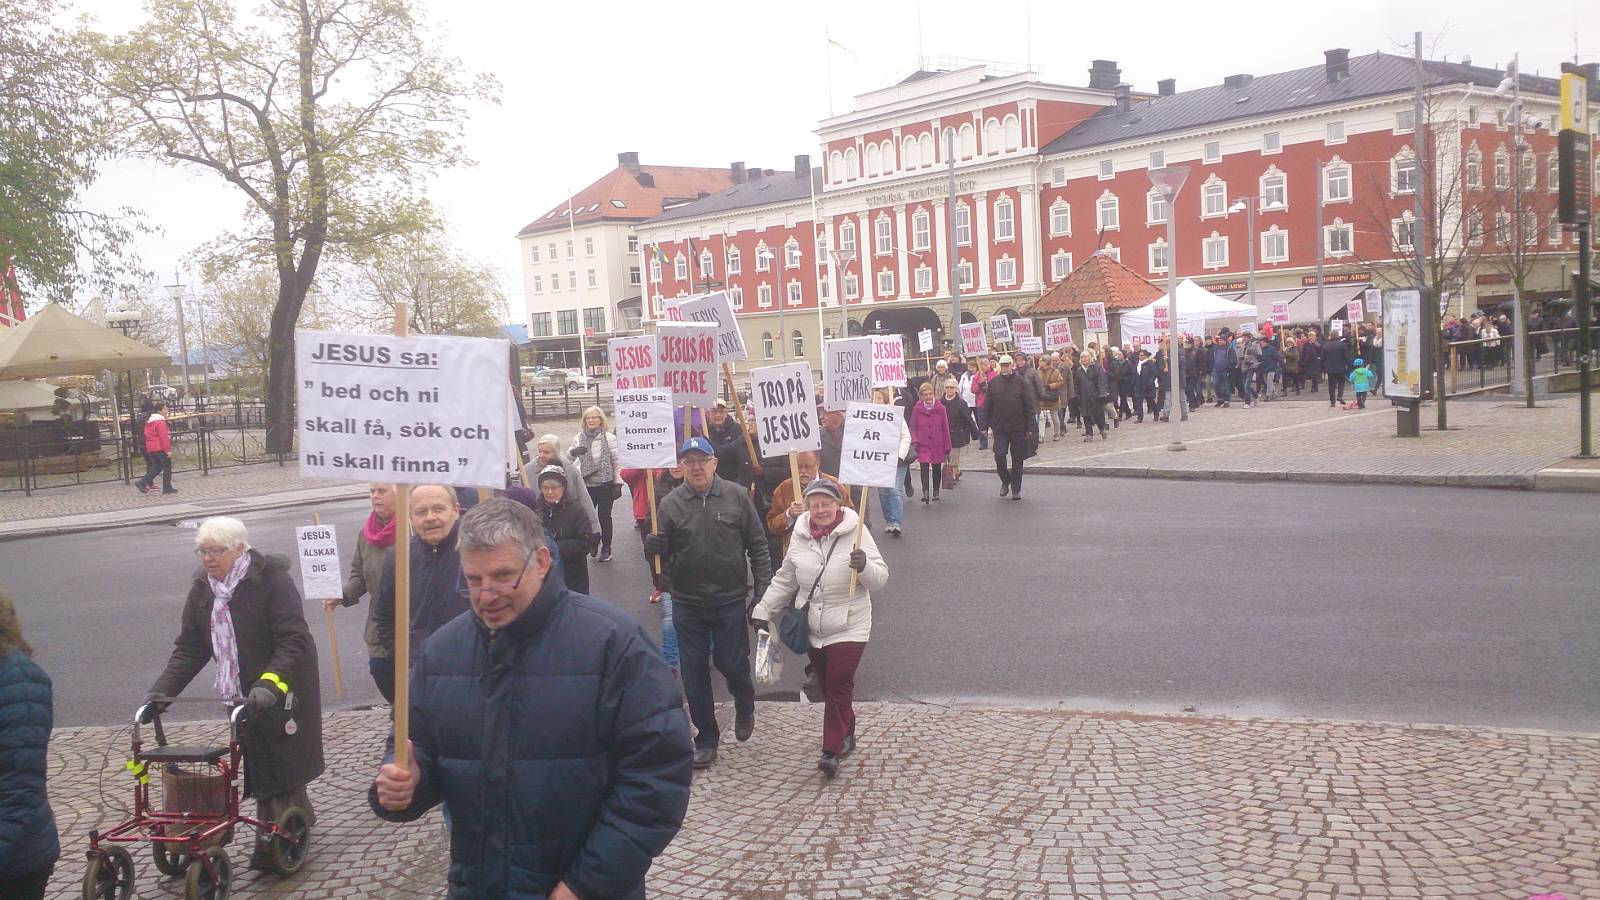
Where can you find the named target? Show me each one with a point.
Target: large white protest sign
(785, 408)
(645, 433)
(972, 340)
(321, 577)
(403, 410)
(1280, 312)
(686, 362)
(717, 309)
(633, 362)
(1247, 328)
(925, 340)
(846, 372)
(1094, 316)
(1374, 301)
(1021, 328)
(888, 361)
(870, 452)
(672, 308)
(1057, 334)
(1352, 310)
(1000, 329)
(1030, 345)
(1160, 319)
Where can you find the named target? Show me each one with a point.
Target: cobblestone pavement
(942, 802)
(193, 488)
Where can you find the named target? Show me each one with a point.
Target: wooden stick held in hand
(861, 527)
(333, 637)
(402, 601)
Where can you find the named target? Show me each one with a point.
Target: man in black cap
(713, 543)
(1013, 409)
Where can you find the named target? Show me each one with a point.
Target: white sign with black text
(846, 372)
(645, 433)
(785, 408)
(870, 451)
(717, 309)
(321, 576)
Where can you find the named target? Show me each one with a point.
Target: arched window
(852, 168)
(1013, 129)
(874, 160)
(735, 261)
(888, 157)
(767, 348)
(925, 146)
(908, 153)
(969, 142)
(799, 343)
(949, 144)
(991, 137)
(836, 167)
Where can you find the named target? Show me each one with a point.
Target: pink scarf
(224, 644)
(379, 535)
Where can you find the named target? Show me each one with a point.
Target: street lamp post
(127, 322)
(175, 291)
(1168, 181)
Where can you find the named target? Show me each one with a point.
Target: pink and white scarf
(224, 645)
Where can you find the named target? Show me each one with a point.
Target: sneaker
(936, 498)
(893, 529)
(169, 490)
(927, 500)
(605, 554)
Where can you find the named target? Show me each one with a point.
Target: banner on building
(888, 361)
(633, 362)
(785, 407)
(972, 340)
(846, 372)
(646, 436)
(717, 309)
(870, 452)
(686, 362)
(1094, 317)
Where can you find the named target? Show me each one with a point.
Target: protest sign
(1247, 328)
(1161, 320)
(321, 576)
(1337, 326)
(1094, 316)
(1021, 328)
(846, 372)
(1057, 334)
(1000, 329)
(1280, 312)
(717, 309)
(925, 340)
(403, 410)
(888, 361)
(1352, 310)
(686, 362)
(646, 438)
(870, 451)
(672, 309)
(785, 409)
(972, 340)
(1374, 300)
(633, 362)
(1030, 346)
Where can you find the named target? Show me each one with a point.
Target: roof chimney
(736, 172)
(645, 179)
(802, 165)
(756, 174)
(629, 159)
(1466, 60)
(1124, 95)
(1166, 87)
(1337, 64)
(1236, 81)
(1104, 74)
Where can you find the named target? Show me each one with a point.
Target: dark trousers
(643, 526)
(1094, 415)
(835, 666)
(1073, 410)
(604, 496)
(31, 887)
(1335, 385)
(1361, 399)
(708, 634)
(925, 468)
(156, 463)
(1194, 390)
(382, 669)
(1014, 443)
(983, 425)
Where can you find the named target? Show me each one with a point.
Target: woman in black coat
(29, 845)
(273, 666)
(566, 524)
(1093, 391)
(963, 428)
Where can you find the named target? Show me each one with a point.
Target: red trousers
(835, 666)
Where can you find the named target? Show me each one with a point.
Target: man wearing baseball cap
(713, 544)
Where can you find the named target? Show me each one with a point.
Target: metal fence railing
(1485, 363)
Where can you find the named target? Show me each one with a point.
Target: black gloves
(655, 544)
(261, 697)
(151, 709)
(858, 560)
(760, 624)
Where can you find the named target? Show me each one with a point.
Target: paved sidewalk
(943, 802)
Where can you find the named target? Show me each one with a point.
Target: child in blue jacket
(1362, 379)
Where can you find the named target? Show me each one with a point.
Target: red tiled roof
(1099, 280)
(619, 196)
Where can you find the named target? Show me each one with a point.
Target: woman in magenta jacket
(930, 438)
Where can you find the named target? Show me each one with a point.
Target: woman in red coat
(158, 452)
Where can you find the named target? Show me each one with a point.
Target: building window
(1106, 170)
(1553, 230)
(633, 243)
(1274, 245)
(1108, 214)
(1403, 174)
(852, 286)
(1158, 159)
(1213, 151)
(1336, 183)
(533, 252)
(680, 267)
(763, 258)
(883, 236)
(1058, 176)
(553, 254)
(1060, 219)
(1552, 173)
(1005, 271)
(1216, 251)
(847, 238)
(1502, 169)
(885, 282)
(964, 275)
(824, 291)
(1060, 266)
(925, 146)
(969, 142)
(919, 231)
(1156, 207)
(572, 281)
(541, 324)
(1405, 121)
(536, 282)
(1404, 230)
(1474, 168)
(1335, 133)
(1338, 239)
(1472, 116)
(570, 252)
(655, 303)
(799, 344)
(1271, 142)
(736, 297)
(908, 153)
(1013, 129)
(588, 246)
(791, 254)
(1111, 251)
(1158, 257)
(764, 295)
(836, 167)
(874, 158)
(852, 165)
(767, 349)
(991, 137)
(924, 279)
(1530, 172)
(633, 276)
(1474, 229)
(594, 320)
(1213, 198)
(655, 269)
(1502, 228)
(594, 278)
(705, 263)
(963, 225)
(567, 321)
(1274, 190)
(794, 293)
(822, 247)
(735, 261)
(1004, 229)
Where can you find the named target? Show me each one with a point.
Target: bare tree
(445, 291)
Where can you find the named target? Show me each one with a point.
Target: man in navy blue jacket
(549, 723)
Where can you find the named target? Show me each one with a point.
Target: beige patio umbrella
(56, 342)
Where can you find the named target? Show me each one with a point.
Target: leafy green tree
(445, 291)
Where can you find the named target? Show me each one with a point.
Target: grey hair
(498, 521)
(225, 531)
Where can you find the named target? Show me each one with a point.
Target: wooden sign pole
(402, 601)
(650, 497)
(688, 423)
(861, 527)
(738, 410)
(333, 637)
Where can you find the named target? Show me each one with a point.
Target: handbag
(795, 631)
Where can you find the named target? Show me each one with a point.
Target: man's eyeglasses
(500, 588)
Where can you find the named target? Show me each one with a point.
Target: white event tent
(1196, 307)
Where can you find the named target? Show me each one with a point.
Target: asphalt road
(1382, 603)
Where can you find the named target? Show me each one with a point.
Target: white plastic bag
(769, 659)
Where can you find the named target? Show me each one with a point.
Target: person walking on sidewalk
(1249, 351)
(435, 575)
(1145, 385)
(1092, 394)
(815, 576)
(787, 503)
(594, 449)
(158, 452)
(892, 501)
(1051, 381)
(930, 440)
(1013, 411)
(963, 430)
(366, 578)
(1224, 360)
(666, 481)
(1291, 363)
(1335, 364)
(565, 524)
(1362, 380)
(713, 546)
(29, 843)
(549, 454)
(1311, 360)
(548, 724)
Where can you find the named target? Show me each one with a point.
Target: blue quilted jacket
(28, 840)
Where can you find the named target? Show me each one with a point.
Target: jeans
(720, 635)
(1166, 408)
(983, 426)
(1013, 443)
(158, 462)
(835, 666)
(669, 634)
(604, 495)
(1247, 390)
(893, 501)
(1061, 419)
(1219, 383)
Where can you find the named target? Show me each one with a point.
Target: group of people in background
(1484, 340)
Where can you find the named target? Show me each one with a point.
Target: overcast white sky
(712, 81)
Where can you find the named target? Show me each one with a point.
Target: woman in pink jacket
(930, 438)
(158, 452)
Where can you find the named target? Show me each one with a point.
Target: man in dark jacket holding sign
(549, 723)
(712, 543)
(1013, 414)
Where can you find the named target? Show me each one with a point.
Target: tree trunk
(281, 387)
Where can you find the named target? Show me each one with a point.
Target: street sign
(1576, 177)
(1574, 102)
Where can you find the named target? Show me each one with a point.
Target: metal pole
(778, 298)
(1585, 340)
(1250, 226)
(183, 333)
(1322, 247)
(1173, 356)
(950, 212)
(205, 352)
(1431, 292)
(1519, 356)
(572, 231)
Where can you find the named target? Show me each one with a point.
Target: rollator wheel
(110, 875)
(169, 860)
(200, 885)
(291, 843)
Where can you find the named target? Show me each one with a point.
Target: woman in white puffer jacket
(815, 576)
